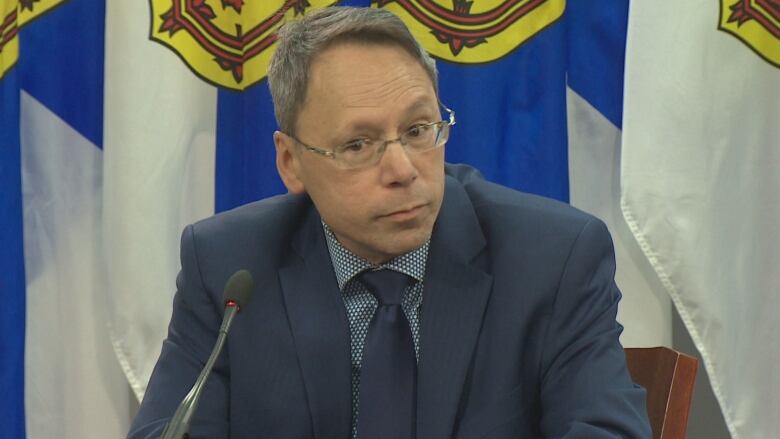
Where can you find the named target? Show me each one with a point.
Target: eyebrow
(362, 125)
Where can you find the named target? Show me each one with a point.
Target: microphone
(238, 290)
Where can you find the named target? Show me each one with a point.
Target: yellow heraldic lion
(226, 42)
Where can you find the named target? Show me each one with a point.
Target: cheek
(354, 203)
(432, 172)
(431, 164)
(341, 201)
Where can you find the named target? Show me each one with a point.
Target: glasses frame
(383, 147)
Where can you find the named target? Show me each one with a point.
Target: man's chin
(406, 242)
(385, 244)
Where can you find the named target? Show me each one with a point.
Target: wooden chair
(668, 376)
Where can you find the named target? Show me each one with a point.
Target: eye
(418, 130)
(354, 146)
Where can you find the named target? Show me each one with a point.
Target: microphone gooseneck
(238, 290)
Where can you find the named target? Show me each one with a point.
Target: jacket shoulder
(499, 205)
(265, 226)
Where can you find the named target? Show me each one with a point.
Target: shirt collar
(347, 265)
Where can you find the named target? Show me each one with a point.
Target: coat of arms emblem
(469, 32)
(13, 16)
(226, 42)
(756, 23)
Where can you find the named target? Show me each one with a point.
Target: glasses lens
(442, 134)
(420, 137)
(356, 154)
(367, 152)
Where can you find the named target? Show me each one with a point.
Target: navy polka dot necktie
(388, 372)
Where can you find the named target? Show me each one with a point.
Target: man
(395, 296)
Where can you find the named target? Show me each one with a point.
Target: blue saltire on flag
(61, 64)
(596, 53)
(245, 162)
(12, 294)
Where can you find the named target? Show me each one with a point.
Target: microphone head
(238, 288)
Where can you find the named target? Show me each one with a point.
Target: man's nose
(396, 166)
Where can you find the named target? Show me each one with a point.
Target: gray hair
(300, 42)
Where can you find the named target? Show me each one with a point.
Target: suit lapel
(454, 298)
(320, 330)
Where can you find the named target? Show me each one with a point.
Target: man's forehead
(418, 104)
(355, 44)
(353, 86)
(361, 73)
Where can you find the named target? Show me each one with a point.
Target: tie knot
(386, 285)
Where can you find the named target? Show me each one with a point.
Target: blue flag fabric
(61, 64)
(12, 293)
(596, 47)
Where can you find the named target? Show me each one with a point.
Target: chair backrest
(668, 376)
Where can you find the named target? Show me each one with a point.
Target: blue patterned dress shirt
(360, 304)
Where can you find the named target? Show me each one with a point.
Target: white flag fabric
(71, 374)
(159, 134)
(701, 187)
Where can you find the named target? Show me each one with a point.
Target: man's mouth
(405, 214)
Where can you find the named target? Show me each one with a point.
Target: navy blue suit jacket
(518, 333)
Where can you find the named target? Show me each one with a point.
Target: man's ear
(287, 163)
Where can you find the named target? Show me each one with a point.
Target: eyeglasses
(362, 153)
